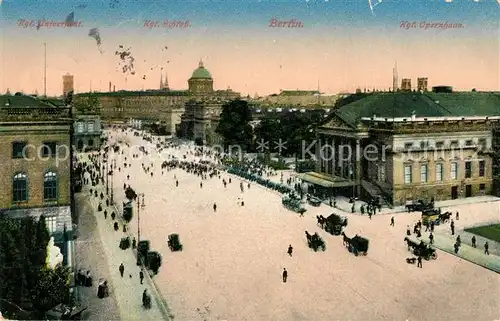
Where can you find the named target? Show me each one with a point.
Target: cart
(358, 245)
(174, 243)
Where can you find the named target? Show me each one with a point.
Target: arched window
(20, 187)
(50, 186)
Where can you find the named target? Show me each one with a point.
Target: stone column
(357, 172)
(318, 155)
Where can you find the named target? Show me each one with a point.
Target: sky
(336, 45)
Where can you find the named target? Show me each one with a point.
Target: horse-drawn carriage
(293, 203)
(431, 216)
(421, 249)
(174, 243)
(357, 244)
(315, 242)
(334, 224)
(419, 205)
(313, 200)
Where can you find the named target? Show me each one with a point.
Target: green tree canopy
(234, 124)
(23, 269)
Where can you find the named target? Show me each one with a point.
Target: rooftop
(128, 93)
(403, 105)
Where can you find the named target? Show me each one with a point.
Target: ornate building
(162, 105)
(36, 164)
(202, 111)
(409, 146)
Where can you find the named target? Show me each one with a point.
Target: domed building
(201, 81)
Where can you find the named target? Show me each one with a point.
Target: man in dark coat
(419, 262)
(285, 275)
(141, 276)
(122, 269)
(290, 249)
(486, 248)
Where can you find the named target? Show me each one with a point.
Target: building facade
(35, 156)
(87, 132)
(163, 106)
(413, 146)
(422, 84)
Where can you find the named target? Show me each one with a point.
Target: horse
(346, 241)
(321, 221)
(308, 236)
(410, 243)
(445, 217)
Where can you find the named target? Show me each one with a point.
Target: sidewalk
(466, 252)
(344, 205)
(127, 290)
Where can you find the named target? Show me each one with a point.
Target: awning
(324, 180)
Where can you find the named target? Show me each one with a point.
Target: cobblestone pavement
(90, 256)
(127, 289)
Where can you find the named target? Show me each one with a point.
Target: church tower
(161, 81)
(165, 84)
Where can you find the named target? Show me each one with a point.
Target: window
(468, 169)
(18, 148)
(408, 145)
(454, 143)
(454, 170)
(49, 149)
(482, 168)
(20, 188)
(90, 127)
(469, 142)
(440, 144)
(50, 186)
(423, 173)
(79, 127)
(482, 143)
(51, 222)
(439, 172)
(482, 187)
(424, 144)
(408, 178)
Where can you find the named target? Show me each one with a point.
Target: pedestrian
(370, 214)
(122, 269)
(419, 262)
(290, 249)
(457, 247)
(176, 183)
(201, 184)
(432, 227)
(486, 248)
(134, 243)
(285, 275)
(215, 207)
(473, 240)
(459, 241)
(408, 231)
(431, 238)
(392, 221)
(141, 276)
(457, 216)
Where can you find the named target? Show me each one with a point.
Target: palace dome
(201, 72)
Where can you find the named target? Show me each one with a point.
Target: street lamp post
(113, 181)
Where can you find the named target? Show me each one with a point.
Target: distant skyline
(342, 45)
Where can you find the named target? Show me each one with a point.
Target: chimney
(114, 88)
(109, 87)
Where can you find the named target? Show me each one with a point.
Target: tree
(234, 124)
(23, 269)
(86, 104)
